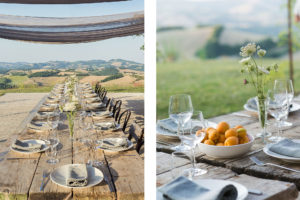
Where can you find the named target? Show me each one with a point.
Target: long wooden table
(274, 182)
(21, 178)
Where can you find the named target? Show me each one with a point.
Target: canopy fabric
(71, 30)
(56, 1)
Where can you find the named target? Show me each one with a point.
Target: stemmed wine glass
(180, 110)
(193, 138)
(290, 93)
(278, 107)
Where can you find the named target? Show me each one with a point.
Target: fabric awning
(71, 30)
(56, 1)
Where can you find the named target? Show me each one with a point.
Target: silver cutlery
(256, 192)
(45, 175)
(260, 163)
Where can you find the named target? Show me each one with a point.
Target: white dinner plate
(59, 176)
(289, 159)
(42, 142)
(130, 145)
(294, 107)
(168, 134)
(211, 183)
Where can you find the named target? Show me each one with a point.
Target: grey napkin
(105, 125)
(114, 143)
(77, 176)
(93, 100)
(183, 189)
(170, 125)
(26, 146)
(287, 147)
(38, 125)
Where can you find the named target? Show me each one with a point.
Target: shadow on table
(137, 106)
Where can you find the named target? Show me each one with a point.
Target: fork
(45, 175)
(260, 163)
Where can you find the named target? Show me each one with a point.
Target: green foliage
(169, 28)
(44, 74)
(3, 70)
(82, 74)
(5, 83)
(112, 77)
(106, 72)
(18, 73)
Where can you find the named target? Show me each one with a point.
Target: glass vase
(262, 106)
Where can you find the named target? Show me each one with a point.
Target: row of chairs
(122, 118)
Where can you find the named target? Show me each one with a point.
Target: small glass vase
(262, 105)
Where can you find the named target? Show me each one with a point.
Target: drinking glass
(180, 110)
(179, 159)
(278, 107)
(52, 142)
(193, 138)
(290, 93)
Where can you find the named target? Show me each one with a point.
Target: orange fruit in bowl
(238, 127)
(223, 127)
(231, 132)
(244, 140)
(208, 129)
(200, 132)
(222, 138)
(220, 144)
(232, 140)
(241, 132)
(213, 135)
(209, 142)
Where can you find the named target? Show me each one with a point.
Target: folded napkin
(287, 147)
(105, 125)
(93, 100)
(183, 189)
(25, 146)
(38, 125)
(77, 176)
(96, 106)
(52, 100)
(101, 113)
(90, 95)
(43, 115)
(114, 143)
(48, 107)
(170, 125)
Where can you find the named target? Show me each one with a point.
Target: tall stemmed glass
(278, 107)
(193, 138)
(181, 111)
(290, 93)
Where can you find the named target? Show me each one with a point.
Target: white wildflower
(245, 61)
(70, 107)
(261, 52)
(263, 70)
(248, 50)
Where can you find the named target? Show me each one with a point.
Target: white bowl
(226, 151)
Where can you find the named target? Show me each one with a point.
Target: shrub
(112, 77)
(44, 74)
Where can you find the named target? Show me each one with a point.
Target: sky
(127, 48)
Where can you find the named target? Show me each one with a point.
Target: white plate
(42, 142)
(211, 183)
(165, 133)
(58, 176)
(294, 108)
(289, 159)
(130, 145)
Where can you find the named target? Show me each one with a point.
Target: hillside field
(216, 86)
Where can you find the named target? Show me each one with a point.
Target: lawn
(216, 86)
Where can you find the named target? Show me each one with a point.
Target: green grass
(139, 89)
(216, 86)
(27, 90)
(18, 80)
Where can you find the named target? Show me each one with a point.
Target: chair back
(124, 118)
(137, 133)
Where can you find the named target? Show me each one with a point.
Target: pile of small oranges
(223, 135)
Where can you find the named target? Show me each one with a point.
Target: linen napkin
(287, 147)
(105, 125)
(38, 125)
(183, 189)
(77, 176)
(96, 106)
(170, 125)
(90, 95)
(18, 144)
(93, 100)
(101, 114)
(114, 143)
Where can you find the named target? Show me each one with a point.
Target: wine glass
(290, 93)
(193, 138)
(278, 107)
(52, 141)
(180, 111)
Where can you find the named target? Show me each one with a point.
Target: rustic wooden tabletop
(21, 178)
(275, 183)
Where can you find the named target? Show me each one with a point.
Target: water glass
(180, 159)
(180, 111)
(51, 152)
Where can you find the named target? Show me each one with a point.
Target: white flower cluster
(70, 106)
